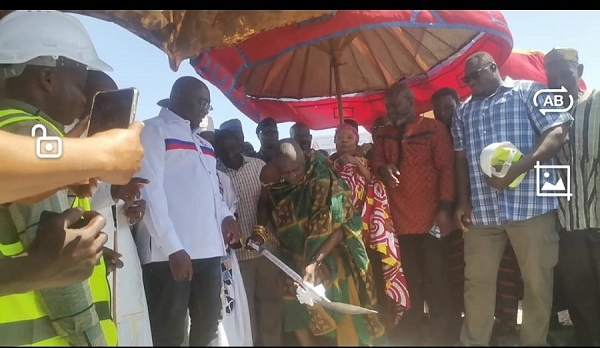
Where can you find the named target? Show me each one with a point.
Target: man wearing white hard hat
(493, 209)
(44, 57)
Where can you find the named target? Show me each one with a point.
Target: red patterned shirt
(426, 172)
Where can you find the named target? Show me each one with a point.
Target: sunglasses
(269, 131)
(475, 75)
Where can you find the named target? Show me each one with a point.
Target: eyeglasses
(205, 104)
(475, 75)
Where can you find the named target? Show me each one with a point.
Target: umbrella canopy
(272, 73)
(183, 34)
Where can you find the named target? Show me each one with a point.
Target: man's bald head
(289, 159)
(480, 59)
(183, 85)
(482, 74)
(190, 99)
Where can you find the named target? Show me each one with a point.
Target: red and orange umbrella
(339, 64)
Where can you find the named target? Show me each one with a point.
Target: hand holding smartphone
(113, 109)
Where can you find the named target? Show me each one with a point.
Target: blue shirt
(507, 115)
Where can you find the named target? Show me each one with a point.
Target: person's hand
(346, 158)
(112, 259)
(84, 190)
(389, 175)
(69, 254)
(502, 183)
(121, 152)
(462, 215)
(79, 128)
(443, 220)
(129, 192)
(181, 265)
(256, 237)
(498, 183)
(310, 272)
(231, 230)
(136, 211)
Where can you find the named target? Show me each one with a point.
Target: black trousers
(579, 273)
(425, 261)
(169, 301)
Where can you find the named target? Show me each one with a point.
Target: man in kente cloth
(320, 235)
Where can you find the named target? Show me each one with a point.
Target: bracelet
(261, 231)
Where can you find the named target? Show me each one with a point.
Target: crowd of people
(141, 236)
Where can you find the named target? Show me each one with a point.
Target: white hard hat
(498, 154)
(45, 38)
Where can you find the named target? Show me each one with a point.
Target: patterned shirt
(246, 182)
(507, 115)
(426, 172)
(582, 154)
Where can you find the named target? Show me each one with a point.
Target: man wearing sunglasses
(179, 240)
(268, 135)
(504, 111)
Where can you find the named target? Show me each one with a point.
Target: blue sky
(139, 64)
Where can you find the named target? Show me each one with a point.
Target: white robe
(234, 329)
(133, 322)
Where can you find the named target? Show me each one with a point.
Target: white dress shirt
(184, 206)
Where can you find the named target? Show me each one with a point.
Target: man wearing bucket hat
(44, 57)
(579, 216)
(505, 111)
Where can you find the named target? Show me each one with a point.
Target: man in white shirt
(180, 241)
(265, 302)
(235, 328)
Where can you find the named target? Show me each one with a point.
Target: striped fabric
(507, 115)
(176, 144)
(246, 182)
(582, 211)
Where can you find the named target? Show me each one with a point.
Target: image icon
(548, 185)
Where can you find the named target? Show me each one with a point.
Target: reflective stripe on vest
(100, 289)
(23, 318)
(15, 115)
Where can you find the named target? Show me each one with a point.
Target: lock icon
(46, 146)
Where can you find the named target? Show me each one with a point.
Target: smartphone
(113, 109)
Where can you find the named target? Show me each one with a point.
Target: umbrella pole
(336, 62)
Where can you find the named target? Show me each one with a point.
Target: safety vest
(23, 317)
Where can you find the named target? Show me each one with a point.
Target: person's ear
(47, 78)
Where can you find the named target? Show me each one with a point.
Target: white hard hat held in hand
(497, 158)
(45, 38)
